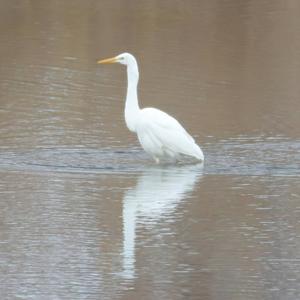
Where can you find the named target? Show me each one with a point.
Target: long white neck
(132, 106)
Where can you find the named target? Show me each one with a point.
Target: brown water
(85, 214)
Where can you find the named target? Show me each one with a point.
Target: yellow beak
(107, 61)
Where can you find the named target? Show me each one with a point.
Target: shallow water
(86, 214)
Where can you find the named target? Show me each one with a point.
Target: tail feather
(198, 152)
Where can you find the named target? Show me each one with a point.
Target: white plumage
(161, 135)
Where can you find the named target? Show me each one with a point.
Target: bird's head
(123, 58)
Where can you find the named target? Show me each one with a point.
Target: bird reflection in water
(157, 193)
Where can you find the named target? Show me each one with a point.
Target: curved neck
(132, 105)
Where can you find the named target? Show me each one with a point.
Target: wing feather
(159, 132)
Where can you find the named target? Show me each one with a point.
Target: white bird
(159, 134)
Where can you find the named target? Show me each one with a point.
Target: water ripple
(236, 156)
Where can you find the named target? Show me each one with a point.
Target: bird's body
(160, 135)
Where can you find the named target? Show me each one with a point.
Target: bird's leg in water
(156, 160)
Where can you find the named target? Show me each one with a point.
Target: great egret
(160, 135)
